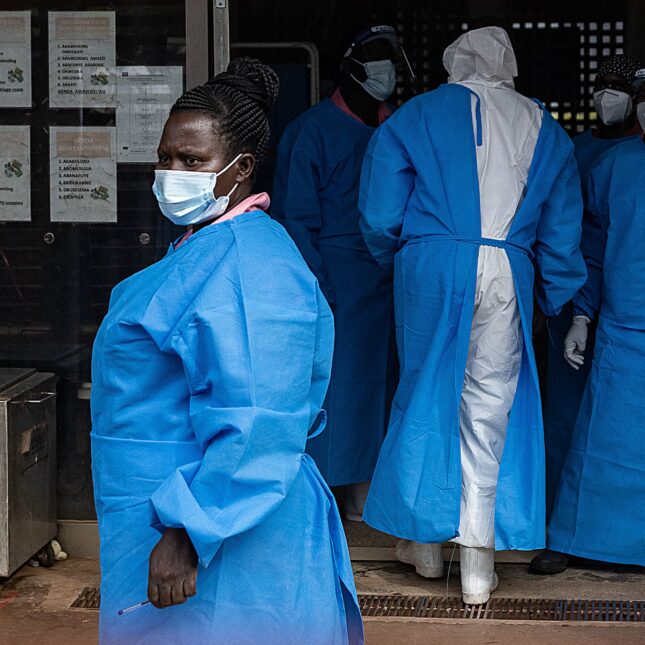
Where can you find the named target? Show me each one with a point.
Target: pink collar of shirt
(337, 99)
(257, 202)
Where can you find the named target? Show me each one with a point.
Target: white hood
(482, 56)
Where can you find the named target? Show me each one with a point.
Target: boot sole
(353, 517)
(480, 598)
(545, 572)
(422, 571)
(546, 569)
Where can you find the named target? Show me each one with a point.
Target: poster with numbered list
(82, 167)
(15, 177)
(82, 59)
(144, 98)
(15, 59)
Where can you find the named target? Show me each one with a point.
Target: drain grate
(89, 598)
(604, 611)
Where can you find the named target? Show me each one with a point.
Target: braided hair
(238, 101)
(623, 66)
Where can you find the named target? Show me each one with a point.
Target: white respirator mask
(381, 78)
(187, 197)
(613, 106)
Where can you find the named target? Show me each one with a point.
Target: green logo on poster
(13, 169)
(16, 75)
(100, 78)
(101, 192)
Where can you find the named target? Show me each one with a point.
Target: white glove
(575, 342)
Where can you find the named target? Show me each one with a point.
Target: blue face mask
(187, 197)
(381, 78)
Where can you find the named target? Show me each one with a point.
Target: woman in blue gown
(599, 509)
(209, 372)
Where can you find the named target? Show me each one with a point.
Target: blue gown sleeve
(594, 242)
(560, 266)
(296, 199)
(387, 180)
(257, 371)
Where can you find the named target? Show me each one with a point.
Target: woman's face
(189, 143)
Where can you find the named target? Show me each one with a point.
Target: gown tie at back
(482, 241)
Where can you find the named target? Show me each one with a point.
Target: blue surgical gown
(208, 372)
(564, 385)
(599, 509)
(420, 203)
(316, 199)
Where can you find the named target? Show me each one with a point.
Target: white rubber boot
(355, 498)
(478, 577)
(426, 558)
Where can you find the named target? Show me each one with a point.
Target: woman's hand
(172, 577)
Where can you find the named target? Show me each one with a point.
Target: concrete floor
(35, 607)
(514, 582)
(432, 632)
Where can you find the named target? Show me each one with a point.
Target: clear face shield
(408, 65)
(638, 90)
(638, 83)
(381, 43)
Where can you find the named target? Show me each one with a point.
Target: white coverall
(510, 127)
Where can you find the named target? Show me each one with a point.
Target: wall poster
(144, 98)
(82, 59)
(15, 59)
(15, 176)
(82, 167)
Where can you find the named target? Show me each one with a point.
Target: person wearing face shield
(566, 373)
(208, 375)
(315, 198)
(472, 192)
(599, 509)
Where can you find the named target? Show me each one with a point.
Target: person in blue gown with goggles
(316, 198)
(599, 508)
(565, 383)
(209, 373)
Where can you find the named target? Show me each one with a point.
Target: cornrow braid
(623, 66)
(238, 100)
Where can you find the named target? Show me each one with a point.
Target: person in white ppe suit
(471, 190)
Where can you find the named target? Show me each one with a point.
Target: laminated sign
(15, 59)
(144, 98)
(82, 166)
(15, 185)
(82, 57)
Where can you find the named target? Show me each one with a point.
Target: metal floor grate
(89, 598)
(604, 611)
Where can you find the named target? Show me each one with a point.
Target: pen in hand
(127, 610)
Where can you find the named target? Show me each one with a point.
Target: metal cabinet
(27, 465)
